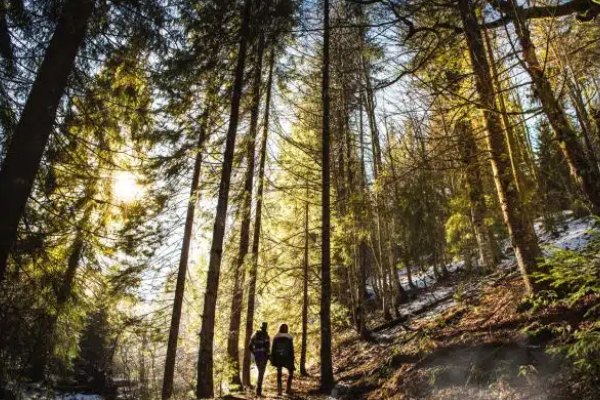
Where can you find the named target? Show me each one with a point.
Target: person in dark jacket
(282, 356)
(259, 346)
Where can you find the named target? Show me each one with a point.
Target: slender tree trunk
(393, 220)
(257, 226)
(363, 249)
(585, 174)
(169, 373)
(26, 148)
(468, 149)
(205, 382)
(305, 298)
(362, 281)
(239, 273)
(327, 379)
(519, 227)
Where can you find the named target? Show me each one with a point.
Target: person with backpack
(259, 347)
(282, 356)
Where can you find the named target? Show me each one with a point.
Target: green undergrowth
(572, 280)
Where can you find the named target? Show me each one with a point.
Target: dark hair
(283, 328)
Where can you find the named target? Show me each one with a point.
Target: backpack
(260, 345)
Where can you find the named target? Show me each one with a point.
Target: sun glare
(125, 187)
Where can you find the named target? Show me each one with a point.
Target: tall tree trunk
(239, 273)
(26, 148)
(257, 225)
(205, 383)
(326, 357)
(508, 128)
(585, 174)
(363, 249)
(519, 227)
(169, 373)
(468, 149)
(305, 298)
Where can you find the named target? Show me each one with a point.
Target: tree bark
(257, 226)
(169, 373)
(326, 378)
(26, 148)
(520, 229)
(305, 298)
(239, 273)
(205, 382)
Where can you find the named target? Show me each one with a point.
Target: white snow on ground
(574, 237)
(38, 395)
(36, 391)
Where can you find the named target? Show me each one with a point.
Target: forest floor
(461, 338)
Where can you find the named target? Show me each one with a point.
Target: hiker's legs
(262, 366)
(279, 384)
(289, 380)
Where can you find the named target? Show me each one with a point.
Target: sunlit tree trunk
(205, 383)
(520, 229)
(511, 142)
(326, 356)
(257, 227)
(169, 373)
(305, 298)
(26, 148)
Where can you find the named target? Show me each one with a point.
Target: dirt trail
(304, 388)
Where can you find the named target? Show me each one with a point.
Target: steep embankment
(473, 344)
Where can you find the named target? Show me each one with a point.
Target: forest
(411, 187)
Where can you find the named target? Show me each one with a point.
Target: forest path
(304, 388)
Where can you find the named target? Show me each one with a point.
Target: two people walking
(281, 355)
